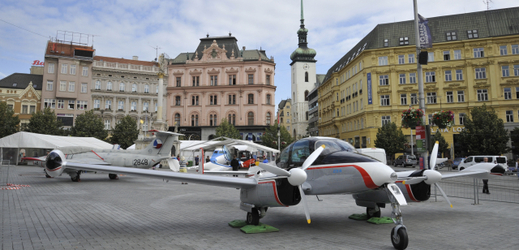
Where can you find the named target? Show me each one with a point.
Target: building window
(412, 77)
(50, 68)
(306, 76)
(97, 85)
(403, 41)
(517, 93)
(504, 71)
(414, 99)
(214, 80)
(448, 75)
(410, 58)
(121, 87)
(461, 118)
(482, 95)
(71, 86)
(250, 99)
(232, 119)
(430, 118)
(232, 99)
(431, 97)
(384, 100)
(194, 100)
(382, 60)
(430, 57)
(84, 87)
(232, 79)
(402, 78)
(451, 36)
(250, 79)
(508, 93)
(472, 34)
(386, 119)
(481, 73)
(213, 100)
(430, 76)
(107, 125)
(268, 118)
(120, 106)
(49, 103)
(61, 104)
(503, 50)
(268, 99)
(384, 80)
(64, 68)
(212, 120)
(133, 106)
(85, 71)
(108, 104)
(459, 75)
(509, 116)
(177, 119)
(50, 85)
(479, 52)
(457, 55)
(267, 79)
(81, 105)
(194, 120)
(63, 86)
(516, 70)
(250, 118)
(73, 69)
(386, 42)
(450, 97)
(403, 99)
(446, 55)
(25, 109)
(461, 96)
(515, 49)
(177, 100)
(109, 86)
(196, 81)
(145, 106)
(71, 104)
(401, 59)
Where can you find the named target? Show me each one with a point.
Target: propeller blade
(274, 169)
(443, 193)
(303, 200)
(308, 162)
(414, 180)
(434, 155)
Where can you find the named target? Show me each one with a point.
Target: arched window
(194, 120)
(306, 95)
(177, 119)
(268, 118)
(250, 118)
(232, 119)
(212, 120)
(306, 76)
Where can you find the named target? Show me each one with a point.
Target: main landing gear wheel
(112, 176)
(399, 239)
(77, 177)
(253, 217)
(372, 212)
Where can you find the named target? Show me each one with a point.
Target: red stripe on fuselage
(409, 192)
(365, 176)
(56, 169)
(275, 191)
(98, 155)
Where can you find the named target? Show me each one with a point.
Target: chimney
(135, 58)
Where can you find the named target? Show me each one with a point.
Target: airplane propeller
(433, 176)
(296, 176)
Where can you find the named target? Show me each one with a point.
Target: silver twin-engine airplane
(159, 149)
(313, 166)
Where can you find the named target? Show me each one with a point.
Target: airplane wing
(222, 181)
(89, 161)
(480, 171)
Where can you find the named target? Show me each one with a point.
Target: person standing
(183, 166)
(517, 167)
(197, 160)
(207, 159)
(235, 164)
(485, 181)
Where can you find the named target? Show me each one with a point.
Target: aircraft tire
(371, 212)
(253, 217)
(112, 176)
(401, 240)
(76, 178)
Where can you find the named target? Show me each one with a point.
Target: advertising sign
(370, 100)
(420, 132)
(425, 32)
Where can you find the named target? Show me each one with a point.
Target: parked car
(457, 162)
(471, 160)
(405, 160)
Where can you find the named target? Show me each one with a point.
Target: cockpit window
(331, 146)
(300, 151)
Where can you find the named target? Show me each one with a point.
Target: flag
(424, 32)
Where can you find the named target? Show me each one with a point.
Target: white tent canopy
(211, 145)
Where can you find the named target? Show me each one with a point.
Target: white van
(475, 159)
(377, 153)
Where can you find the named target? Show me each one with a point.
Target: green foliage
(443, 145)
(8, 121)
(89, 125)
(514, 136)
(484, 133)
(125, 132)
(228, 130)
(45, 122)
(391, 139)
(270, 137)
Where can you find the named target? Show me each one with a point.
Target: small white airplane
(334, 167)
(159, 149)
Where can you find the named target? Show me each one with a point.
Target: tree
(484, 133)
(8, 121)
(391, 139)
(45, 122)
(270, 137)
(125, 132)
(514, 136)
(89, 125)
(443, 145)
(228, 130)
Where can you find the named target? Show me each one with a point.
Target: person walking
(517, 167)
(485, 181)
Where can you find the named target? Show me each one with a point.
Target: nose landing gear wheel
(253, 217)
(400, 239)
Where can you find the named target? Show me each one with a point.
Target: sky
(126, 28)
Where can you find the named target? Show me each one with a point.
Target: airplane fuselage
(120, 158)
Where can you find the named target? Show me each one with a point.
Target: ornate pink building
(220, 81)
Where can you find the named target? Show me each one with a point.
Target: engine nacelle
(54, 163)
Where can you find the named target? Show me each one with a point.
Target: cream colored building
(22, 93)
(285, 114)
(474, 61)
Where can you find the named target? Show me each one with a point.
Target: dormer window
(472, 34)
(403, 41)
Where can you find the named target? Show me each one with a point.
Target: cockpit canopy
(296, 153)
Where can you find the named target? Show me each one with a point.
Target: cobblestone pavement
(140, 213)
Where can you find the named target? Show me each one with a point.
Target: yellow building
(474, 60)
(22, 93)
(285, 117)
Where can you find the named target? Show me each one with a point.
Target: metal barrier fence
(501, 188)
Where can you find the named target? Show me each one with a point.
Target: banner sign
(425, 32)
(370, 100)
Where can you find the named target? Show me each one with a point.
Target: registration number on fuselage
(140, 162)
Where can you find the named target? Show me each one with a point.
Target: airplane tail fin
(162, 144)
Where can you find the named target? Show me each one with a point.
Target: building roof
(490, 23)
(69, 50)
(122, 60)
(21, 81)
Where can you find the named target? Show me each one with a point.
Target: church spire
(303, 53)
